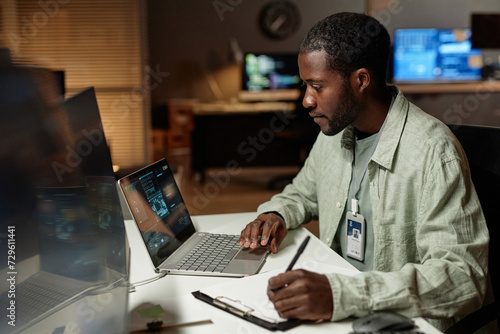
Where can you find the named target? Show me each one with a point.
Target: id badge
(355, 238)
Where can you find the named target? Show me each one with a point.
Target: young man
(425, 238)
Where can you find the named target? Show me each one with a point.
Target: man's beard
(346, 113)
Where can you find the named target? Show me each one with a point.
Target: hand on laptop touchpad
(251, 253)
(247, 260)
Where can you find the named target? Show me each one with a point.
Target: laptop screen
(58, 197)
(158, 209)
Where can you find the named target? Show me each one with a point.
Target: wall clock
(279, 19)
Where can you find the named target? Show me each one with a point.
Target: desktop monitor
(270, 76)
(63, 244)
(270, 71)
(434, 56)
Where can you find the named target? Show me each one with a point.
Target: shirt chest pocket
(396, 199)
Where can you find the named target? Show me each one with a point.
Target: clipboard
(252, 304)
(238, 309)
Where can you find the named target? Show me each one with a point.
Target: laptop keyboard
(34, 297)
(212, 254)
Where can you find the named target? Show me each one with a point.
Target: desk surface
(173, 292)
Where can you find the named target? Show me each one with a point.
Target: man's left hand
(301, 294)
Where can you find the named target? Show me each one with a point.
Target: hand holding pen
(301, 294)
(295, 258)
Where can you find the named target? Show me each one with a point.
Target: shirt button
(328, 240)
(339, 205)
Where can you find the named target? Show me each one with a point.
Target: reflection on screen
(58, 197)
(158, 209)
(435, 55)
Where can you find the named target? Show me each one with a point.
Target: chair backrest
(482, 147)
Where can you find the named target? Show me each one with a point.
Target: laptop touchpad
(247, 260)
(251, 254)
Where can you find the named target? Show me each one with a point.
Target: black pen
(295, 258)
(299, 251)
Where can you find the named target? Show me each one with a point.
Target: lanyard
(355, 181)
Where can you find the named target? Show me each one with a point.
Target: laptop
(169, 235)
(66, 237)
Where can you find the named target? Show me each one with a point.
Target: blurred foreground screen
(63, 249)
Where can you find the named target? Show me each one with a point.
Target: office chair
(482, 147)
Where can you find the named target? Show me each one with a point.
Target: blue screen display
(433, 55)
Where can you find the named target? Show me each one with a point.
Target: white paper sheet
(251, 291)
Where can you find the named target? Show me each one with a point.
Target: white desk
(172, 292)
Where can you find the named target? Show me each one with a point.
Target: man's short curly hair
(352, 41)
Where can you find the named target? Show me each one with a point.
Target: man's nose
(308, 101)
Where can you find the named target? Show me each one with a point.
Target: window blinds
(96, 43)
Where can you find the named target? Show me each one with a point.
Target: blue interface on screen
(435, 55)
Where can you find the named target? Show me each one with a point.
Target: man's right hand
(269, 227)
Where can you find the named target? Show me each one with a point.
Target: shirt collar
(388, 143)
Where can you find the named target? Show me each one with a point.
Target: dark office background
(188, 37)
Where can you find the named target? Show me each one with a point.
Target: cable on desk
(146, 281)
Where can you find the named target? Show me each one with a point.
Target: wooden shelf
(220, 108)
(439, 88)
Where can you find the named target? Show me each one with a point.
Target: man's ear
(360, 79)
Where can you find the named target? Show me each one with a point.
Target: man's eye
(316, 88)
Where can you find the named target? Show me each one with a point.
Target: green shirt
(430, 236)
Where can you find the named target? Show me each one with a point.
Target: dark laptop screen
(158, 209)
